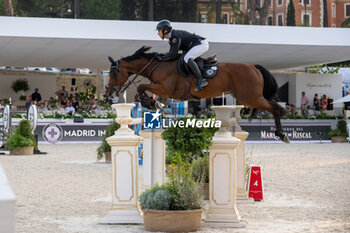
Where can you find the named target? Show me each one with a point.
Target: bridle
(115, 67)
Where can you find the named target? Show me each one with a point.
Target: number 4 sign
(255, 183)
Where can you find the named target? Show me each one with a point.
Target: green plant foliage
(156, 198)
(188, 141)
(291, 14)
(96, 9)
(180, 192)
(341, 130)
(200, 169)
(104, 146)
(25, 129)
(23, 98)
(345, 23)
(18, 141)
(22, 136)
(20, 85)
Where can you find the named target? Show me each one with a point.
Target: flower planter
(28, 150)
(337, 139)
(108, 157)
(172, 220)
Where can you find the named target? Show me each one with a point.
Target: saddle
(208, 66)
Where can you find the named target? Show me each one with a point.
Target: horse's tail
(270, 87)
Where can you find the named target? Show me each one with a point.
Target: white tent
(342, 100)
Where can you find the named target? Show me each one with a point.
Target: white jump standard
(124, 155)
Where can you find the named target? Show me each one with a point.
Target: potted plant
(104, 150)
(339, 134)
(175, 206)
(200, 173)
(22, 142)
(20, 85)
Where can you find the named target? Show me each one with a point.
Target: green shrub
(189, 142)
(105, 147)
(180, 192)
(20, 85)
(156, 198)
(22, 136)
(18, 141)
(200, 169)
(341, 130)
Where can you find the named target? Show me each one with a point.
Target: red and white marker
(255, 184)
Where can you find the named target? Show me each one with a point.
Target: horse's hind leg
(276, 111)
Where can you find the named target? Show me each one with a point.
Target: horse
(252, 85)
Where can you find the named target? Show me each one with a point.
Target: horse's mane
(139, 54)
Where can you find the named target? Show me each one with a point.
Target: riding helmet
(164, 25)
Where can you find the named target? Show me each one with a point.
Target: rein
(125, 86)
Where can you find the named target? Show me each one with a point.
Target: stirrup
(203, 83)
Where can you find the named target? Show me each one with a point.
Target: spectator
(293, 110)
(75, 104)
(43, 108)
(316, 103)
(324, 103)
(28, 102)
(70, 109)
(36, 95)
(288, 109)
(63, 100)
(62, 91)
(2, 105)
(303, 103)
(310, 112)
(73, 91)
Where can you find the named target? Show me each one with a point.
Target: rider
(191, 44)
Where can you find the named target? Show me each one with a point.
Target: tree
(96, 9)
(291, 14)
(345, 23)
(260, 18)
(150, 10)
(8, 7)
(218, 11)
(325, 14)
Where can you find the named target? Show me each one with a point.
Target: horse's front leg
(154, 88)
(146, 101)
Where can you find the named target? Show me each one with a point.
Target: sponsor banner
(62, 132)
(295, 132)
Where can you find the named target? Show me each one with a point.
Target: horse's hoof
(285, 139)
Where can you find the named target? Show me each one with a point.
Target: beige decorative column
(222, 174)
(124, 170)
(242, 194)
(153, 158)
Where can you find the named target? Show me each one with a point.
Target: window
(347, 10)
(258, 3)
(280, 20)
(269, 20)
(279, 2)
(306, 18)
(204, 18)
(303, 2)
(333, 10)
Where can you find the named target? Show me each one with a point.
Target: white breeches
(197, 50)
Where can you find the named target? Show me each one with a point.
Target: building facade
(307, 12)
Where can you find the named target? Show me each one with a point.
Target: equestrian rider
(191, 44)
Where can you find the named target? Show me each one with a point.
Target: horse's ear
(111, 60)
(143, 49)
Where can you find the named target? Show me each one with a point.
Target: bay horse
(252, 85)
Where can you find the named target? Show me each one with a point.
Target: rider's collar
(170, 33)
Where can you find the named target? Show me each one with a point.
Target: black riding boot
(201, 81)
